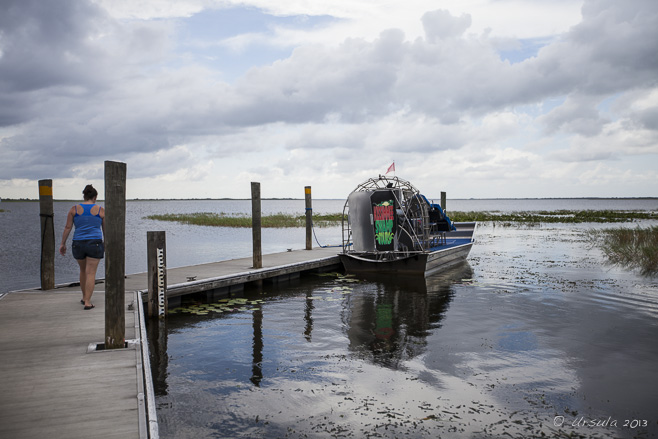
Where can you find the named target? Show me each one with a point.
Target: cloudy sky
(478, 98)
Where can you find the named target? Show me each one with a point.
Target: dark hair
(89, 192)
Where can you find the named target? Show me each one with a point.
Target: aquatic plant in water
(224, 220)
(223, 305)
(327, 220)
(631, 248)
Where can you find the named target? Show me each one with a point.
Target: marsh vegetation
(631, 248)
(225, 220)
(327, 220)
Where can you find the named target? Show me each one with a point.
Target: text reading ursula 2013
(582, 421)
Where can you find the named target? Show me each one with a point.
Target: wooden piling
(47, 234)
(309, 218)
(156, 253)
(443, 201)
(158, 338)
(256, 225)
(115, 254)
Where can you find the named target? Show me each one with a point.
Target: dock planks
(240, 271)
(50, 386)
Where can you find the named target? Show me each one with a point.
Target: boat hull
(417, 264)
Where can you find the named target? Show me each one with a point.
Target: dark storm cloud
(68, 81)
(649, 118)
(44, 57)
(44, 44)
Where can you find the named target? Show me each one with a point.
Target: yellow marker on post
(309, 219)
(45, 191)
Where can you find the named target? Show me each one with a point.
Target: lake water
(534, 336)
(20, 236)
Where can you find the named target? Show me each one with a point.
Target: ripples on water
(533, 327)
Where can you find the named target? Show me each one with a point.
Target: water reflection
(257, 356)
(385, 320)
(308, 316)
(391, 325)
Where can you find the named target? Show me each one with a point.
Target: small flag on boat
(391, 168)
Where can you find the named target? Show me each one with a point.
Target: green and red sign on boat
(383, 212)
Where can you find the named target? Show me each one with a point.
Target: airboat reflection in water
(392, 228)
(391, 325)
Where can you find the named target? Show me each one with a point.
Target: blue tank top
(87, 226)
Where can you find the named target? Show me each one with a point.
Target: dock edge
(148, 418)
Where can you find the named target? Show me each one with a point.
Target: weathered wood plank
(49, 385)
(83, 426)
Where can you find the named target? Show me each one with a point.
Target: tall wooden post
(256, 225)
(115, 254)
(156, 252)
(443, 201)
(47, 234)
(309, 218)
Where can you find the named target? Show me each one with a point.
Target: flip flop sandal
(90, 307)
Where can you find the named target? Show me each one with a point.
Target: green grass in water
(224, 220)
(631, 248)
(287, 220)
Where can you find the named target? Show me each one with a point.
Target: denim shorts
(92, 248)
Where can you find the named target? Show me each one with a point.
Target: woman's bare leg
(90, 279)
(83, 275)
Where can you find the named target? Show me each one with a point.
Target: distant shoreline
(13, 200)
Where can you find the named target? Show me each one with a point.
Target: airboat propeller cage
(387, 214)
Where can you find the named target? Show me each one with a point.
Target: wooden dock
(55, 384)
(225, 274)
(53, 381)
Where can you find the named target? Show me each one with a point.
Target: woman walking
(87, 246)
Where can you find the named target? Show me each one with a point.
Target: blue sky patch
(528, 48)
(202, 38)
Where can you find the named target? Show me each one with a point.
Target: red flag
(391, 168)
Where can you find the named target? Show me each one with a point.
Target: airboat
(390, 227)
